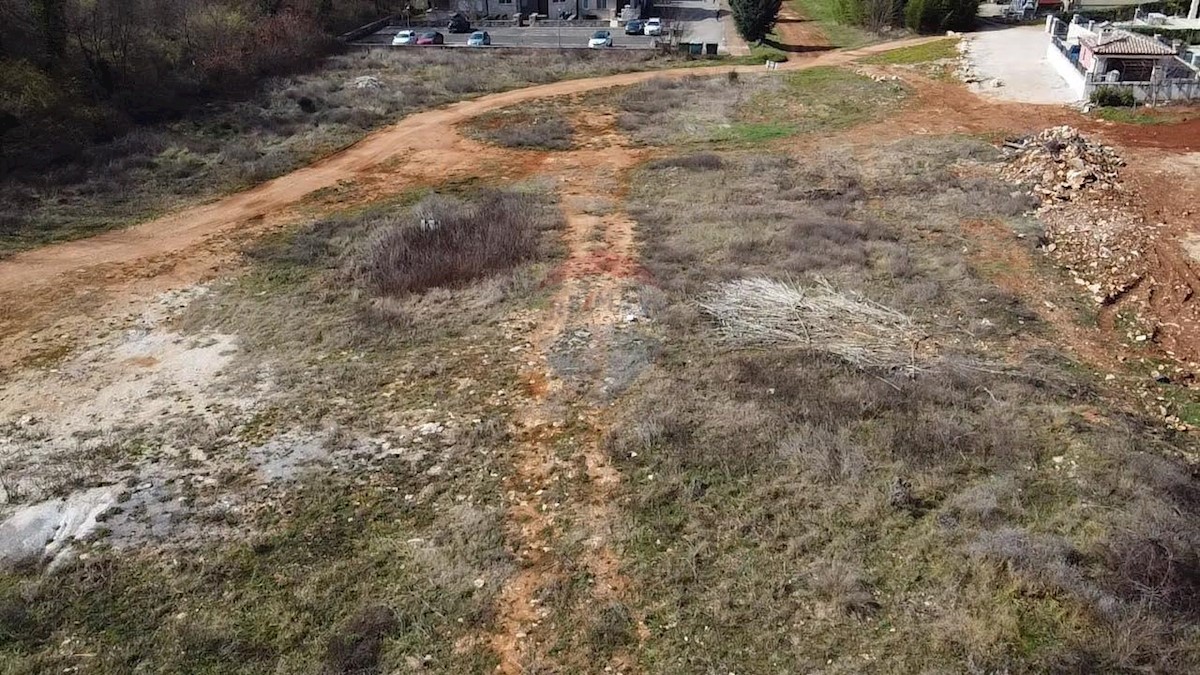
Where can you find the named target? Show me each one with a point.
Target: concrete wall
(1144, 92)
(1067, 71)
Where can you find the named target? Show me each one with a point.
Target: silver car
(405, 37)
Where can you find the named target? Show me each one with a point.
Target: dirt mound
(1091, 228)
(1063, 164)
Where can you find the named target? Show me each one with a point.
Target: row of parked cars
(458, 23)
(480, 38)
(603, 38)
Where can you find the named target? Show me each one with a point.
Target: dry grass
(752, 110)
(765, 313)
(538, 125)
(446, 242)
(947, 520)
(384, 559)
(290, 122)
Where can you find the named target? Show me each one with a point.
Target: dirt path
(420, 139)
(799, 34)
(565, 406)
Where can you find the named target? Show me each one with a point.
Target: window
(585, 4)
(506, 2)
(601, 4)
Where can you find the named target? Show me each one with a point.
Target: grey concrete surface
(698, 21)
(1011, 65)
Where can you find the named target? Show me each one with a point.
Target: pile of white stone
(1060, 163)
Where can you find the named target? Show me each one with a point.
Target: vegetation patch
(752, 110)
(937, 50)
(839, 22)
(903, 521)
(540, 126)
(1150, 116)
(386, 555)
(447, 242)
(285, 123)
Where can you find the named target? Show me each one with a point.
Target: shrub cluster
(446, 242)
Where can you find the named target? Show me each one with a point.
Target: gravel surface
(1010, 64)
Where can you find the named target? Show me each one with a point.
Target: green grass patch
(930, 51)
(1145, 116)
(333, 586)
(764, 52)
(820, 99)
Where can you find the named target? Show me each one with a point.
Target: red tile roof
(1124, 43)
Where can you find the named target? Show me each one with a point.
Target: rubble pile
(1062, 163)
(1089, 228)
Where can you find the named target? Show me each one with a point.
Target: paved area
(698, 21)
(549, 37)
(1011, 65)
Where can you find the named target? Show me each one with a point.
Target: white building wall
(1067, 71)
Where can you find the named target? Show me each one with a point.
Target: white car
(653, 27)
(600, 38)
(405, 37)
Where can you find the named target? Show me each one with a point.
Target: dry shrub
(841, 583)
(447, 242)
(764, 313)
(354, 650)
(552, 133)
(831, 454)
(698, 161)
(611, 629)
(1155, 560)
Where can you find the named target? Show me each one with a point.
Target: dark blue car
(635, 27)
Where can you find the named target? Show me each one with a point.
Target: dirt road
(799, 34)
(187, 244)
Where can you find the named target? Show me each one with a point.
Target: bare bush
(446, 242)
(698, 161)
(551, 133)
(841, 583)
(763, 313)
(830, 454)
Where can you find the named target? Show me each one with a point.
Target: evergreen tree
(755, 18)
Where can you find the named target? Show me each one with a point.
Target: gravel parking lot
(546, 37)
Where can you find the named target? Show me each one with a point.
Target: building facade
(1090, 55)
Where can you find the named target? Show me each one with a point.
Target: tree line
(78, 71)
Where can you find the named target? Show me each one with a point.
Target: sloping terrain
(727, 371)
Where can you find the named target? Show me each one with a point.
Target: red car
(431, 38)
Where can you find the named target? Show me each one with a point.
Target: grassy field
(740, 111)
(1144, 116)
(930, 51)
(290, 122)
(888, 469)
(395, 557)
(793, 513)
(538, 125)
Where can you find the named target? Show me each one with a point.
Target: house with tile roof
(1090, 55)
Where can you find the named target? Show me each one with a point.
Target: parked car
(459, 24)
(431, 37)
(601, 38)
(405, 37)
(653, 26)
(479, 38)
(635, 27)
